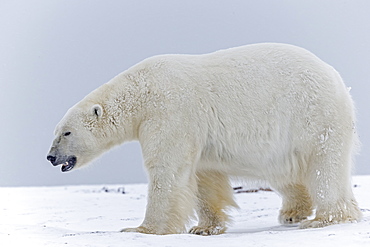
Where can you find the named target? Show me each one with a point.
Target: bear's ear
(97, 111)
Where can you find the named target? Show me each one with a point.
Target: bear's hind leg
(214, 196)
(330, 188)
(297, 204)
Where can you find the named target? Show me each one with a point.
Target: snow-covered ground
(93, 215)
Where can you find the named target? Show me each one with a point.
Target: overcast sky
(53, 53)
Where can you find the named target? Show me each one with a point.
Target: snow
(93, 215)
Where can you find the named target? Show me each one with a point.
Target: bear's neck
(129, 103)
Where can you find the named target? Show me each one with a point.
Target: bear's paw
(315, 223)
(291, 217)
(139, 229)
(206, 231)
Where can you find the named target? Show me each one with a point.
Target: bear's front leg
(170, 157)
(171, 199)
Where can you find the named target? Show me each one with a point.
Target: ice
(93, 216)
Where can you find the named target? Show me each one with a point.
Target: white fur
(270, 112)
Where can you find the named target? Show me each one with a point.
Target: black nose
(51, 158)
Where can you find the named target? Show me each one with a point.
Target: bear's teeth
(67, 167)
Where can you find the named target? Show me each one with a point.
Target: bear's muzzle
(67, 162)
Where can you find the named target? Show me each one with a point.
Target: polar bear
(266, 112)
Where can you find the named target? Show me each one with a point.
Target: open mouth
(69, 164)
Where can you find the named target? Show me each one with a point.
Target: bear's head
(91, 127)
(78, 137)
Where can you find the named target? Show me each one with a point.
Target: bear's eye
(67, 133)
